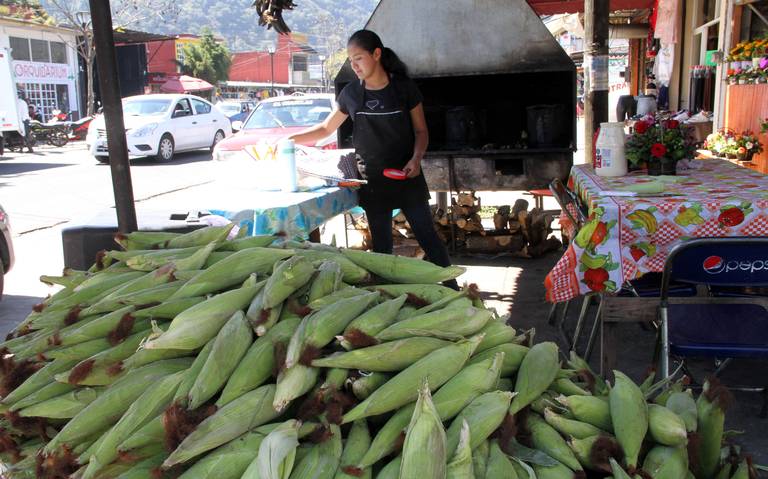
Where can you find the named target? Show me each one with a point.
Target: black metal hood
(438, 38)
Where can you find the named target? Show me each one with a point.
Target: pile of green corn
(196, 356)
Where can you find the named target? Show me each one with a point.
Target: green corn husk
(480, 456)
(101, 350)
(113, 402)
(263, 319)
(39, 379)
(571, 427)
(147, 281)
(391, 470)
(65, 406)
(244, 413)
(144, 469)
(232, 270)
(200, 323)
(711, 406)
(400, 269)
(425, 450)
(484, 415)
(326, 281)
(229, 461)
(419, 293)
(357, 443)
(49, 391)
(156, 294)
(499, 465)
(664, 462)
(450, 324)
(590, 409)
(361, 331)
(449, 400)
(351, 273)
(88, 291)
(106, 374)
(443, 303)
(168, 309)
(322, 460)
(169, 254)
(537, 371)
(558, 471)
(547, 400)
(148, 239)
(367, 383)
(99, 327)
(593, 452)
(229, 347)
(256, 241)
(497, 333)
(257, 364)
(200, 237)
(69, 278)
(287, 277)
(744, 471)
(513, 357)
(151, 432)
(600, 387)
(568, 387)
(629, 415)
(320, 328)
(666, 427)
(292, 383)
(182, 393)
(148, 262)
(213, 258)
(277, 453)
(460, 464)
(546, 439)
(343, 293)
(683, 404)
(437, 367)
(387, 357)
(147, 406)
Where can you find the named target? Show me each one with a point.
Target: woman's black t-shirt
(383, 138)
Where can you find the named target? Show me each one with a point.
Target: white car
(159, 125)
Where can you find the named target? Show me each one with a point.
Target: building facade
(45, 64)
(164, 58)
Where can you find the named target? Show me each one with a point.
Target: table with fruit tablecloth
(626, 237)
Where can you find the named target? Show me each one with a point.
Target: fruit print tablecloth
(626, 237)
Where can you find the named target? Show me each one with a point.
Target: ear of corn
(168, 309)
(391, 470)
(545, 438)
(593, 452)
(197, 325)
(229, 461)
(41, 378)
(568, 387)
(229, 346)
(287, 277)
(617, 471)
(326, 281)
(256, 241)
(68, 279)
(590, 409)
(683, 404)
(571, 427)
(262, 319)
(51, 390)
(143, 469)
(199, 237)
(367, 383)
(666, 427)
(513, 357)
(387, 357)
(460, 463)
(292, 383)
(151, 432)
(499, 465)
(450, 324)
(557, 471)
(711, 421)
(322, 460)
(537, 371)
(437, 367)
(425, 448)
(664, 462)
(182, 392)
(182, 262)
(148, 281)
(439, 304)
(357, 443)
(480, 456)
(232, 270)
(400, 269)
(257, 364)
(629, 415)
(65, 406)
(244, 413)
(496, 332)
(146, 239)
(351, 273)
(362, 329)
(484, 415)
(277, 453)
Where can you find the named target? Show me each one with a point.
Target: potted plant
(660, 144)
(747, 145)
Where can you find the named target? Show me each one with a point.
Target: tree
(125, 13)
(207, 59)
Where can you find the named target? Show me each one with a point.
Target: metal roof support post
(109, 83)
(595, 70)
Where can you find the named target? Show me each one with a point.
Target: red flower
(641, 127)
(658, 150)
(673, 124)
(596, 278)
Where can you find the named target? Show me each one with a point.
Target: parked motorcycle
(13, 141)
(76, 130)
(54, 134)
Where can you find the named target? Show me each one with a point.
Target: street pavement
(44, 191)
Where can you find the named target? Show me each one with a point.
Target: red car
(276, 118)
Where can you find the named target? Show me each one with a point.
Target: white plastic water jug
(286, 160)
(610, 159)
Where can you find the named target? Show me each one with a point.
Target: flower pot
(756, 62)
(661, 166)
(668, 167)
(742, 81)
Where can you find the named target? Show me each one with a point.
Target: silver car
(6, 248)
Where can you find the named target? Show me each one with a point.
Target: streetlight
(271, 50)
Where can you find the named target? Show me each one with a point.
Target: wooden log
(514, 226)
(467, 199)
(525, 224)
(465, 210)
(520, 205)
(501, 217)
(495, 243)
(550, 244)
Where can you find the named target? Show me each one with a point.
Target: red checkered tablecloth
(627, 237)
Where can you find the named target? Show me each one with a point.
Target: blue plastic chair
(716, 326)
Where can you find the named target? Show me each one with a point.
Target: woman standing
(390, 131)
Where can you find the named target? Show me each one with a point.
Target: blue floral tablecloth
(294, 214)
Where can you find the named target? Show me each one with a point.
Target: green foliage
(207, 59)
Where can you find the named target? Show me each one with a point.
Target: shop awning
(184, 84)
(554, 7)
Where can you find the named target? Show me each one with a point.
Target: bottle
(286, 160)
(610, 159)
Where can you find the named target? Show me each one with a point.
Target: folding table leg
(664, 331)
(595, 330)
(580, 322)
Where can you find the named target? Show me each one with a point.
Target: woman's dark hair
(369, 41)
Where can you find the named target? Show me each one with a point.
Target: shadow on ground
(178, 159)
(10, 169)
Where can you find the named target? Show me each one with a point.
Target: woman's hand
(412, 168)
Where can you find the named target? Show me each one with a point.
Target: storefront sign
(41, 72)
